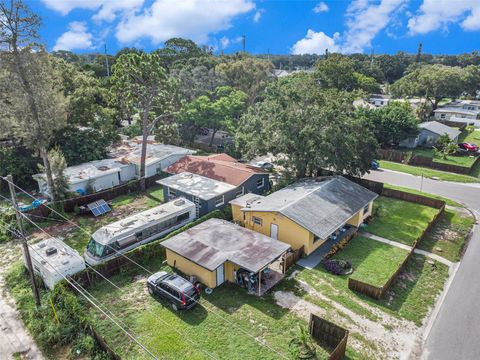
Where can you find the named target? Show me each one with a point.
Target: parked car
(181, 293)
(468, 147)
(265, 165)
(374, 165)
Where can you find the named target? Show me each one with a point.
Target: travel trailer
(124, 235)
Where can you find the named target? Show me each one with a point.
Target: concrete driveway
(455, 331)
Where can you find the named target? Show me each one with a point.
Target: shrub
(337, 267)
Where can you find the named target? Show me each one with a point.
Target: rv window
(95, 248)
(183, 216)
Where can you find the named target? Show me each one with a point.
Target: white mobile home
(52, 259)
(445, 113)
(94, 175)
(159, 156)
(124, 235)
(379, 100)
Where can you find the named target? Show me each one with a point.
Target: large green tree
(433, 82)
(247, 74)
(308, 128)
(142, 85)
(219, 109)
(391, 123)
(32, 103)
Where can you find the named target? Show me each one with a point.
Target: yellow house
(308, 213)
(216, 251)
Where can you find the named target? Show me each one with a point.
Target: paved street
(455, 332)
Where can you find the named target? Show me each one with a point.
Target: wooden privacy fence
(292, 257)
(378, 292)
(329, 334)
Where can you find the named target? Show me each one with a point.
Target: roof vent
(42, 245)
(65, 262)
(179, 202)
(51, 251)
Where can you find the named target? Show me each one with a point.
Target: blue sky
(278, 27)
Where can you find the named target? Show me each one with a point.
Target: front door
(274, 231)
(220, 275)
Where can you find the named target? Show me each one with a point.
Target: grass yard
(373, 262)
(418, 192)
(459, 160)
(428, 173)
(399, 220)
(231, 329)
(447, 236)
(470, 135)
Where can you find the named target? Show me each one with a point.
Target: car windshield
(95, 248)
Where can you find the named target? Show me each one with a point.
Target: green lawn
(418, 192)
(470, 135)
(447, 236)
(227, 331)
(428, 173)
(373, 262)
(459, 160)
(399, 220)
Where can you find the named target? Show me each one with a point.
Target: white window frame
(257, 221)
(443, 116)
(365, 212)
(217, 198)
(170, 194)
(240, 192)
(263, 183)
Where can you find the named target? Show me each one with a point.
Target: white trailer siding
(52, 259)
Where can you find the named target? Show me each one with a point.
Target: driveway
(454, 334)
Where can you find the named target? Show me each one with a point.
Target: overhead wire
(257, 340)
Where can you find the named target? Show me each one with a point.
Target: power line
(150, 272)
(89, 300)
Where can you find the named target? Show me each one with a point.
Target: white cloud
(316, 43)
(438, 14)
(258, 15)
(192, 19)
(107, 9)
(320, 7)
(77, 37)
(365, 20)
(224, 42)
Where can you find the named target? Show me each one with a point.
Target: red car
(468, 147)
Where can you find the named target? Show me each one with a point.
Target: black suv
(182, 294)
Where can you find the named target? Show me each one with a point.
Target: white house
(379, 100)
(445, 113)
(159, 156)
(94, 175)
(473, 105)
(52, 259)
(429, 133)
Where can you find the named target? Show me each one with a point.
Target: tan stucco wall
(229, 269)
(205, 276)
(357, 219)
(237, 214)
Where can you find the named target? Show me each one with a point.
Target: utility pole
(244, 40)
(26, 251)
(106, 60)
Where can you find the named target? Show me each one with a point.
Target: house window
(219, 201)
(366, 208)
(260, 183)
(315, 238)
(443, 116)
(239, 192)
(257, 220)
(172, 192)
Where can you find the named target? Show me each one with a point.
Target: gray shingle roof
(319, 206)
(440, 129)
(215, 241)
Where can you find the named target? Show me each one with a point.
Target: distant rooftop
(215, 241)
(220, 167)
(379, 96)
(440, 129)
(319, 205)
(456, 110)
(90, 170)
(197, 185)
(126, 225)
(246, 199)
(130, 151)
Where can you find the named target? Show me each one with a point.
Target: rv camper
(52, 259)
(124, 235)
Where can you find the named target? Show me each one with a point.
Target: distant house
(429, 133)
(472, 105)
(379, 100)
(312, 213)
(445, 113)
(159, 156)
(93, 176)
(216, 251)
(212, 181)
